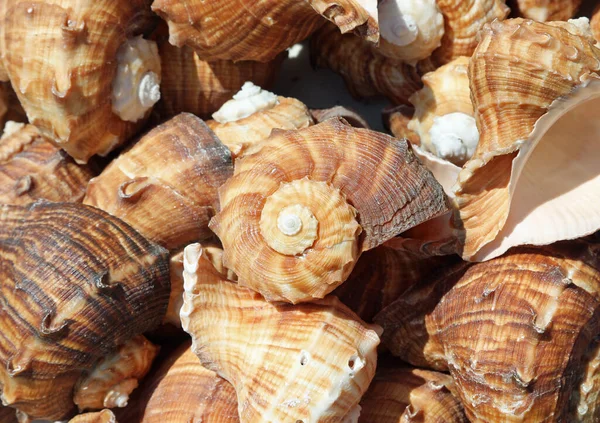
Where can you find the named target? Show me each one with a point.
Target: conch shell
(88, 83)
(517, 333)
(104, 416)
(166, 185)
(115, 376)
(32, 168)
(547, 10)
(534, 178)
(240, 30)
(68, 273)
(298, 212)
(182, 390)
(252, 114)
(411, 395)
(310, 362)
(367, 73)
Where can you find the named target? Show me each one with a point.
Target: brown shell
(595, 23)
(32, 168)
(192, 85)
(287, 363)
(68, 273)
(546, 10)
(10, 108)
(396, 120)
(366, 72)
(349, 115)
(399, 395)
(518, 333)
(239, 136)
(8, 415)
(64, 79)
(166, 185)
(104, 416)
(180, 389)
(373, 181)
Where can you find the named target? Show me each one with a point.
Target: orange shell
(104, 416)
(547, 10)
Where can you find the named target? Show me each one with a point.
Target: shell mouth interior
(555, 179)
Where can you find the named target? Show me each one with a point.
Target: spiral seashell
(411, 395)
(104, 416)
(68, 273)
(166, 185)
(320, 356)
(536, 163)
(252, 114)
(182, 390)
(192, 85)
(518, 333)
(90, 81)
(307, 202)
(546, 10)
(31, 169)
(115, 376)
(366, 72)
(443, 117)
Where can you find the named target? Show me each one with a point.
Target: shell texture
(547, 10)
(297, 212)
(166, 185)
(104, 416)
(32, 168)
(321, 357)
(180, 389)
(411, 395)
(69, 272)
(349, 115)
(517, 333)
(396, 120)
(64, 80)
(367, 73)
(109, 384)
(536, 163)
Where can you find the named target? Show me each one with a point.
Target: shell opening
(136, 86)
(454, 137)
(249, 100)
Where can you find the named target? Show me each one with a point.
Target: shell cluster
(187, 234)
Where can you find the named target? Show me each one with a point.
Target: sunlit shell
(180, 389)
(298, 211)
(64, 79)
(166, 185)
(76, 284)
(547, 10)
(534, 178)
(399, 395)
(32, 168)
(310, 362)
(111, 381)
(104, 416)
(517, 333)
(366, 72)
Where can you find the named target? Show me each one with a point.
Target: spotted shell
(298, 212)
(320, 357)
(70, 272)
(166, 185)
(32, 168)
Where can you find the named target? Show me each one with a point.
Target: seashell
(307, 202)
(545, 180)
(320, 356)
(517, 333)
(382, 274)
(115, 376)
(546, 10)
(182, 390)
(409, 395)
(8, 415)
(166, 185)
(31, 168)
(68, 273)
(91, 80)
(192, 85)
(104, 416)
(347, 55)
(259, 30)
(595, 23)
(410, 30)
(252, 114)
(443, 117)
(349, 115)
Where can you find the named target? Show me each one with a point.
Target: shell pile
(184, 238)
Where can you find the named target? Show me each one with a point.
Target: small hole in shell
(304, 357)
(352, 362)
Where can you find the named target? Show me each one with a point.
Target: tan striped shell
(547, 10)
